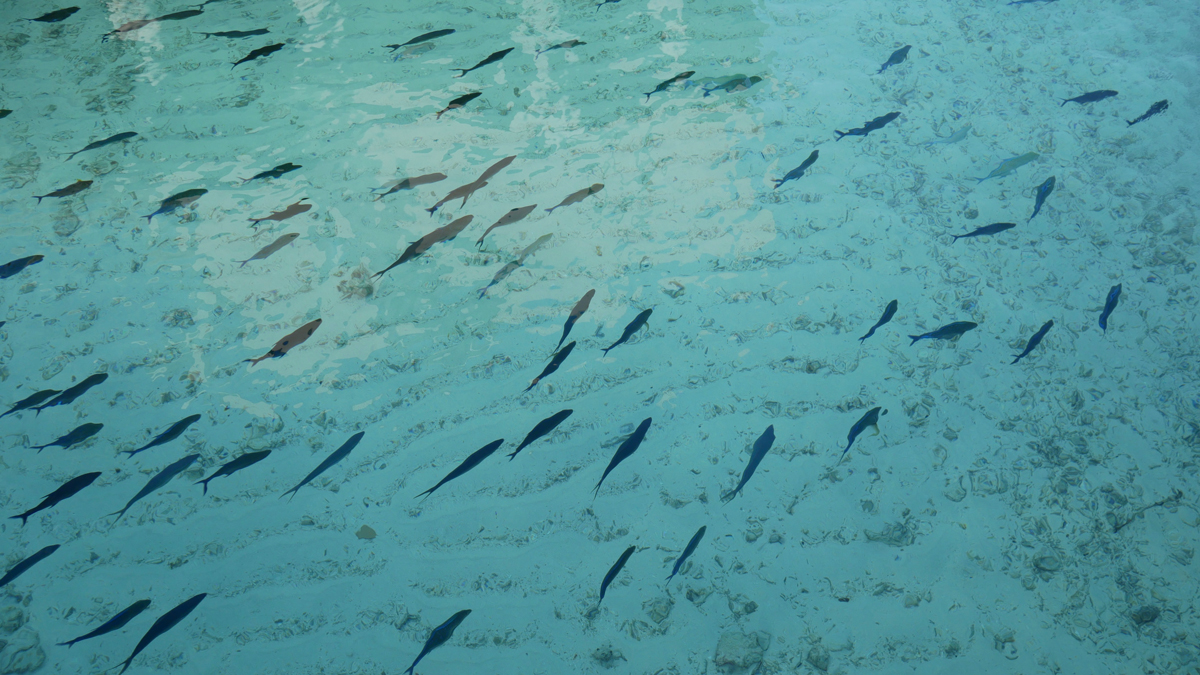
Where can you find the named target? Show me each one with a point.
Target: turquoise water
(1035, 517)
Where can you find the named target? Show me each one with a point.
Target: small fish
(873, 125)
(469, 463)
(494, 57)
(1034, 341)
(15, 267)
(236, 34)
(271, 248)
(115, 138)
(1154, 110)
(163, 624)
(1110, 303)
(994, 228)
(613, 571)
(414, 51)
(952, 138)
(555, 361)
(73, 188)
(562, 45)
(291, 340)
(687, 551)
(159, 480)
(532, 248)
(578, 196)
(31, 401)
(458, 103)
(504, 272)
(274, 173)
(175, 431)
(56, 16)
(4, 112)
(116, 623)
(1090, 97)
(179, 16)
(439, 636)
(68, 396)
(23, 566)
(513, 215)
(888, 313)
(761, 447)
(423, 244)
(464, 191)
(678, 79)
(798, 171)
(337, 456)
(947, 332)
(493, 170)
(871, 419)
(410, 183)
(576, 312)
(126, 28)
(733, 85)
(292, 210)
(1043, 191)
(177, 200)
(541, 429)
(233, 466)
(64, 491)
(257, 53)
(1010, 165)
(75, 436)
(423, 37)
(633, 327)
(628, 447)
(896, 58)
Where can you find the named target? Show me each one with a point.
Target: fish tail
(1014, 361)
(728, 496)
(840, 134)
(68, 643)
(463, 72)
(956, 236)
(432, 209)
(648, 97)
(23, 517)
(778, 182)
(205, 482)
(1065, 101)
(914, 339)
(531, 386)
(148, 218)
(38, 198)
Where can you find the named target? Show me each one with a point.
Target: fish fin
(38, 198)
(728, 496)
(1065, 101)
(1014, 361)
(840, 134)
(149, 218)
(464, 72)
(243, 262)
(531, 386)
(205, 481)
(23, 518)
(914, 339)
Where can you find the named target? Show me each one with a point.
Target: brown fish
(509, 218)
(576, 197)
(416, 248)
(271, 248)
(464, 191)
(132, 25)
(410, 183)
(285, 345)
(293, 210)
(77, 186)
(495, 168)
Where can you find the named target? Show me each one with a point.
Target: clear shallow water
(974, 532)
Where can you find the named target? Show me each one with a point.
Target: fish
(439, 636)
(947, 332)
(126, 28)
(458, 103)
(116, 623)
(493, 170)
(236, 34)
(994, 228)
(873, 125)
(613, 571)
(423, 244)
(638, 321)
(1043, 191)
(1155, 109)
(292, 210)
(175, 431)
(578, 196)
(888, 313)
(414, 51)
(23, 566)
(289, 341)
(494, 57)
(687, 551)
(1034, 341)
(15, 267)
(541, 429)
(159, 480)
(896, 58)
(562, 45)
(734, 84)
(423, 37)
(761, 447)
(464, 191)
(73, 188)
(4, 112)
(258, 53)
(1090, 97)
(179, 16)
(163, 624)
(74, 437)
(1010, 165)
(56, 16)
(335, 457)
(504, 272)
(31, 401)
(870, 419)
(798, 171)
(469, 463)
(274, 173)
(532, 248)
(952, 138)
(678, 79)
(628, 447)
(1110, 303)
(177, 200)
(233, 466)
(64, 491)
(555, 361)
(271, 248)
(606, 2)
(513, 215)
(410, 183)
(576, 312)
(115, 138)
(68, 396)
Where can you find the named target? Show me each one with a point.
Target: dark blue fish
(64, 491)
(274, 173)
(628, 447)
(179, 16)
(871, 419)
(1090, 97)
(761, 447)
(164, 623)
(455, 105)
(177, 200)
(633, 327)
(798, 171)
(888, 313)
(337, 456)
(469, 463)
(162, 478)
(494, 57)
(1154, 110)
(874, 125)
(236, 34)
(994, 228)
(77, 435)
(576, 312)
(613, 571)
(32, 401)
(687, 551)
(167, 436)
(606, 2)
(116, 138)
(14, 267)
(233, 466)
(1110, 303)
(1034, 341)
(1043, 191)
(947, 332)
(68, 396)
(56, 16)
(259, 53)
(116, 623)
(423, 37)
(562, 45)
(542, 428)
(439, 636)
(678, 79)
(23, 566)
(555, 362)
(896, 58)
